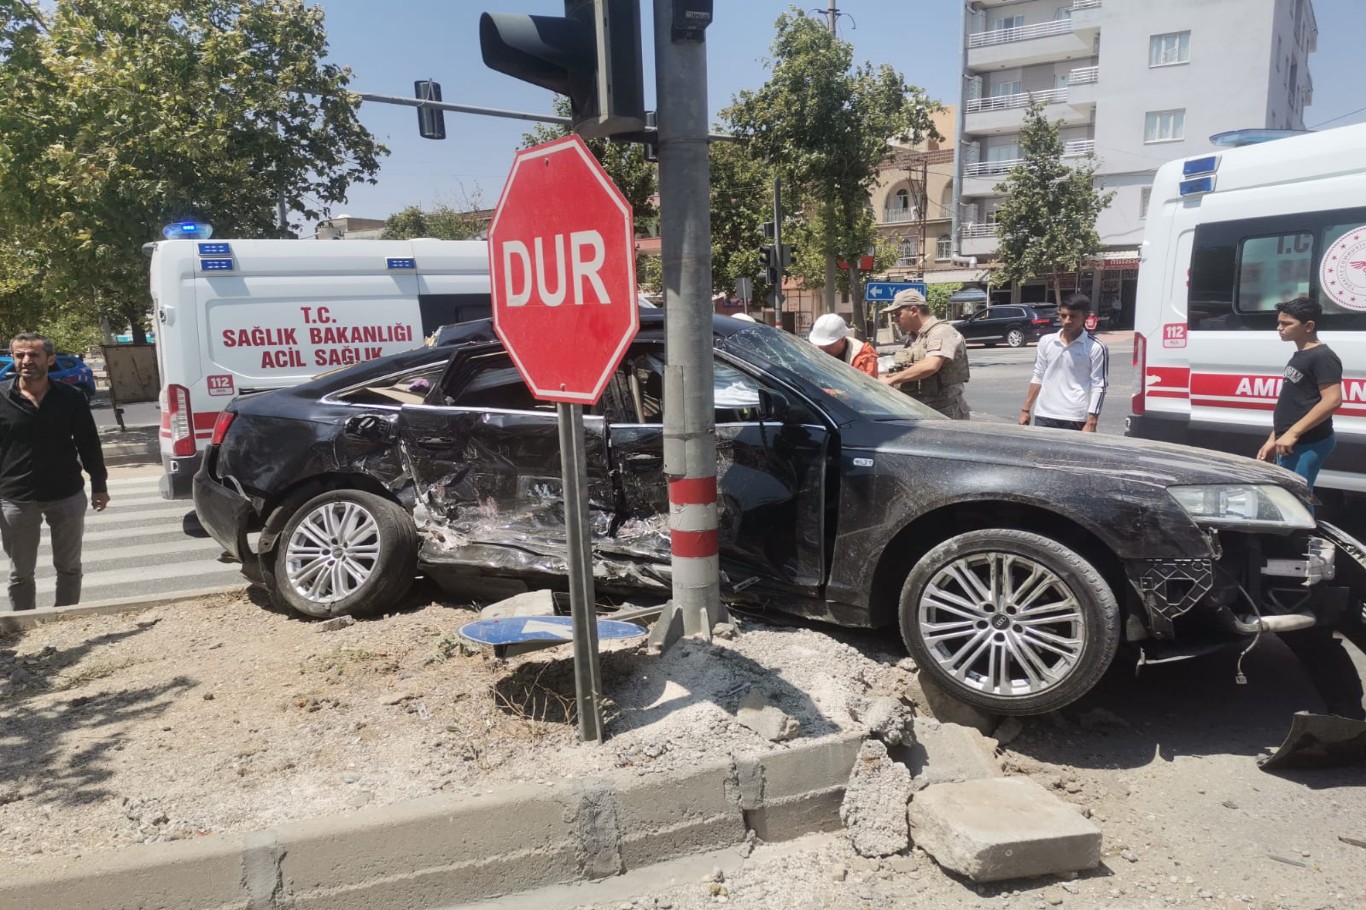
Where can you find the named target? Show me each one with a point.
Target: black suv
(1012, 324)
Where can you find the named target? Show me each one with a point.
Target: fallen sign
(512, 635)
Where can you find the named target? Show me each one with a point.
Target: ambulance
(1229, 235)
(234, 317)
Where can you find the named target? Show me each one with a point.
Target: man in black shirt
(1311, 390)
(46, 435)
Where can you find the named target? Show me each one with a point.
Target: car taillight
(1041, 321)
(181, 419)
(1139, 405)
(220, 427)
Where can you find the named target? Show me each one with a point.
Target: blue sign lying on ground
(884, 291)
(508, 630)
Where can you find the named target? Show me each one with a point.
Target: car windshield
(854, 389)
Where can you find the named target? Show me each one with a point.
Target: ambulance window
(1273, 269)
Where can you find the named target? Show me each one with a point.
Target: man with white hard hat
(830, 333)
(933, 366)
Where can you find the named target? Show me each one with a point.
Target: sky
(388, 46)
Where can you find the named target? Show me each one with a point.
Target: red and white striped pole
(695, 562)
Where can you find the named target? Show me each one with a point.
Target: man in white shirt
(1071, 370)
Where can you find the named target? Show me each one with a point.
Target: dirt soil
(222, 715)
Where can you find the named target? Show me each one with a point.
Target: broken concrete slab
(874, 807)
(949, 753)
(923, 691)
(531, 603)
(1003, 828)
(768, 721)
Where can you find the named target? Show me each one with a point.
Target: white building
(1137, 82)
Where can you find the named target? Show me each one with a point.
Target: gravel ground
(221, 715)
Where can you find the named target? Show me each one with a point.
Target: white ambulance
(240, 316)
(1229, 235)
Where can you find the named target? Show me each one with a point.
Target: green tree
(441, 222)
(1047, 224)
(741, 201)
(118, 117)
(824, 125)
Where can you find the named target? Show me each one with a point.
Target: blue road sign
(512, 630)
(884, 291)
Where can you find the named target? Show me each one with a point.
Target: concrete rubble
(996, 829)
(768, 721)
(874, 807)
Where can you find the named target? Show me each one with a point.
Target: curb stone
(445, 850)
(11, 621)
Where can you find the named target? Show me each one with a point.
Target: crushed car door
(770, 476)
(487, 475)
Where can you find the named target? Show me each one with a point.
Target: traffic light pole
(778, 245)
(689, 399)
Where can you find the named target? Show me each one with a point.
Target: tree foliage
(741, 201)
(118, 117)
(823, 125)
(441, 222)
(1047, 224)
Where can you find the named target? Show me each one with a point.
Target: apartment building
(1136, 82)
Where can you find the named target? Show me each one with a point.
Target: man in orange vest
(830, 333)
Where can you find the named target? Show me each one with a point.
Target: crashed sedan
(1012, 561)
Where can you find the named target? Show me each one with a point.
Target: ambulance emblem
(1342, 275)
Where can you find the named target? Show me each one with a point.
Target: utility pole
(778, 245)
(924, 202)
(832, 15)
(689, 398)
(831, 268)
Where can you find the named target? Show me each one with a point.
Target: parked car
(1012, 561)
(1014, 325)
(69, 368)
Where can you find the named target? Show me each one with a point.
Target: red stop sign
(563, 267)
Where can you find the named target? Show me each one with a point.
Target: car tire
(1015, 337)
(344, 553)
(971, 641)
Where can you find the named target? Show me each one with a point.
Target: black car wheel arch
(343, 552)
(1009, 621)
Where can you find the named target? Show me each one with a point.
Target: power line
(1335, 119)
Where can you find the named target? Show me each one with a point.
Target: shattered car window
(855, 389)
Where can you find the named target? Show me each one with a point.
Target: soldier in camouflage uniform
(933, 366)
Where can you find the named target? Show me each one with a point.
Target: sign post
(562, 265)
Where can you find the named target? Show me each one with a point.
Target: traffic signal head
(431, 121)
(591, 54)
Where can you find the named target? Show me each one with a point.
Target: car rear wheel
(345, 552)
(1015, 337)
(1009, 621)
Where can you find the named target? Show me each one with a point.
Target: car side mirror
(372, 427)
(774, 405)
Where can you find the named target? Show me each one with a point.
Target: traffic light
(785, 255)
(768, 263)
(431, 121)
(591, 55)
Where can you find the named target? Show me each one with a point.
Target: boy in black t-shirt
(1302, 427)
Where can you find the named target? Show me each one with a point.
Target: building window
(1009, 152)
(1173, 47)
(1005, 23)
(1005, 89)
(901, 202)
(1144, 197)
(905, 254)
(944, 247)
(1164, 126)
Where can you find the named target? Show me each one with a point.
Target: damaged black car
(1012, 561)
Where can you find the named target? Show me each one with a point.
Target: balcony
(1001, 114)
(980, 177)
(978, 240)
(1039, 42)
(898, 215)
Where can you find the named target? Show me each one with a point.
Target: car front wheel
(1009, 621)
(1015, 337)
(345, 552)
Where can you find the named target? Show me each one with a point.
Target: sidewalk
(131, 446)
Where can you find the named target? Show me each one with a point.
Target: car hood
(1117, 457)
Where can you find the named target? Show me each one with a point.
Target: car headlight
(1243, 505)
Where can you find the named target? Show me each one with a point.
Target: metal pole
(582, 598)
(778, 245)
(689, 400)
(832, 15)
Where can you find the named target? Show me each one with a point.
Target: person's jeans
(20, 529)
(1306, 458)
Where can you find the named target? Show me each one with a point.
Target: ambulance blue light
(398, 263)
(1197, 186)
(187, 230)
(215, 265)
(214, 249)
(1195, 166)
